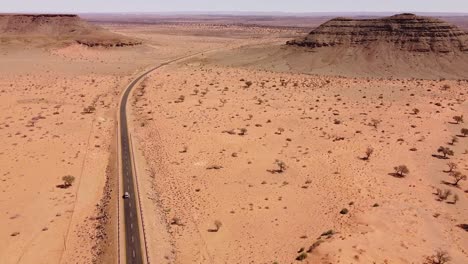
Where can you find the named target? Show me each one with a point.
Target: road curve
(133, 241)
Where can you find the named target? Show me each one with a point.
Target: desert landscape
(260, 139)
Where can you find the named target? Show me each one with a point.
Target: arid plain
(239, 161)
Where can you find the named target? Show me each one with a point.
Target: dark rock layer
(405, 31)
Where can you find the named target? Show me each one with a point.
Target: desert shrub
(464, 131)
(375, 123)
(181, 99)
(458, 119)
(401, 170)
(242, 132)
(416, 111)
(281, 167)
(445, 151)
(457, 176)
(440, 257)
(89, 110)
(368, 152)
(328, 233)
(68, 180)
(453, 140)
(218, 225)
(176, 221)
(301, 256)
(445, 87)
(443, 194)
(452, 166)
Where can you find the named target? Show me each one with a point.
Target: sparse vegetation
(281, 167)
(440, 257)
(445, 151)
(375, 123)
(214, 167)
(453, 140)
(452, 166)
(457, 176)
(464, 131)
(89, 110)
(243, 131)
(368, 153)
(301, 256)
(68, 180)
(218, 225)
(401, 170)
(443, 194)
(176, 221)
(458, 119)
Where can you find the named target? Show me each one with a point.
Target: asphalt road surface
(133, 241)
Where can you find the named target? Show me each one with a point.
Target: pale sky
(82, 6)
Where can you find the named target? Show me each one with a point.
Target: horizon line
(239, 12)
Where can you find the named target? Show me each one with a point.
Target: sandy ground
(207, 138)
(44, 90)
(211, 136)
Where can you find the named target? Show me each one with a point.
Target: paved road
(133, 248)
(133, 240)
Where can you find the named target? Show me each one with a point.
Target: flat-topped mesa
(406, 32)
(58, 28)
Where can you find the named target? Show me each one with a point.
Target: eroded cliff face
(59, 28)
(406, 32)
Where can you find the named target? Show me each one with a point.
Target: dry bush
(243, 131)
(368, 152)
(68, 180)
(375, 123)
(458, 119)
(452, 166)
(401, 170)
(443, 195)
(176, 221)
(464, 131)
(453, 140)
(416, 111)
(440, 257)
(457, 176)
(281, 167)
(89, 110)
(218, 225)
(301, 256)
(445, 151)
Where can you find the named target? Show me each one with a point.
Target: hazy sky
(75, 6)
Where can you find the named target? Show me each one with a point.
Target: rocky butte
(58, 28)
(406, 32)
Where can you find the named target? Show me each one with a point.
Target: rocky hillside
(59, 27)
(406, 32)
